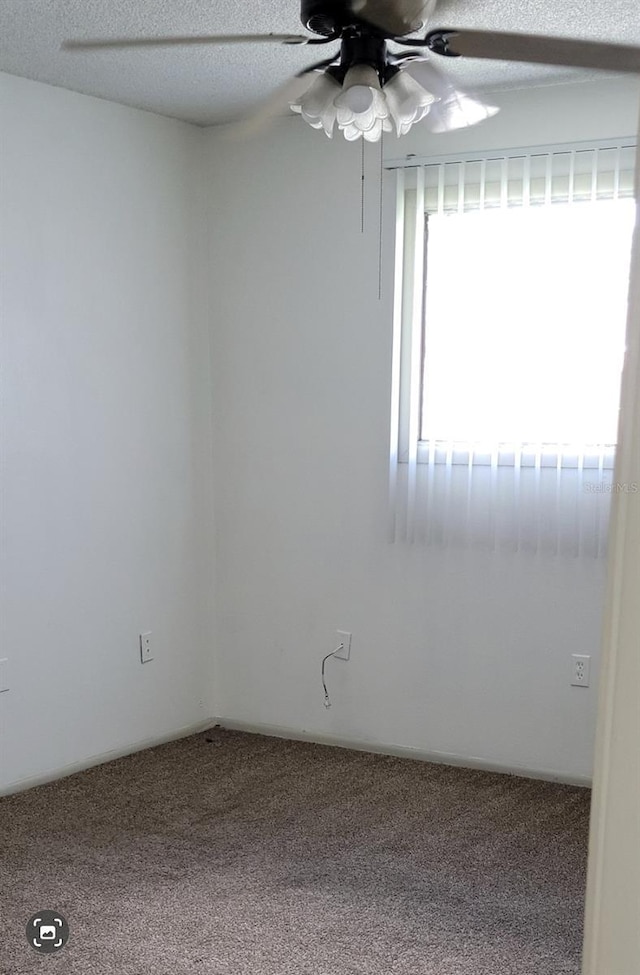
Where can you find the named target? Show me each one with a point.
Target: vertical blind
(546, 497)
(533, 178)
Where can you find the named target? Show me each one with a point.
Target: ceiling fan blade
(395, 17)
(535, 49)
(458, 111)
(277, 103)
(454, 108)
(113, 43)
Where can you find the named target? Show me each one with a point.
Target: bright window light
(525, 320)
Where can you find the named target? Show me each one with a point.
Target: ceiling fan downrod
(361, 48)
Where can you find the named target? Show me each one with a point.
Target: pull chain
(380, 204)
(362, 186)
(380, 212)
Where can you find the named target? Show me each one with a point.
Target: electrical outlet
(345, 639)
(580, 670)
(146, 653)
(4, 675)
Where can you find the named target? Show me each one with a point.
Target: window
(511, 295)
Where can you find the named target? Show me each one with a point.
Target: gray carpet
(246, 854)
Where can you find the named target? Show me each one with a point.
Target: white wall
(106, 455)
(106, 446)
(461, 653)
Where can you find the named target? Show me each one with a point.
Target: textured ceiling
(209, 85)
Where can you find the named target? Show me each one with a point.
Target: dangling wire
(327, 700)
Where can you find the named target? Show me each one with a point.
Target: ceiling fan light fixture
(364, 90)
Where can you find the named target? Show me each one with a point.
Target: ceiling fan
(364, 89)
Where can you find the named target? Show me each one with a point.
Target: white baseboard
(406, 751)
(295, 734)
(60, 773)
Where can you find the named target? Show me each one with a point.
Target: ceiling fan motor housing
(322, 16)
(327, 17)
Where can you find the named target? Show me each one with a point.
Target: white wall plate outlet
(580, 670)
(146, 653)
(345, 639)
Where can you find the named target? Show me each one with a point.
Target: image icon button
(47, 931)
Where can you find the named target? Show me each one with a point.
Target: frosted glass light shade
(361, 106)
(424, 73)
(316, 104)
(408, 101)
